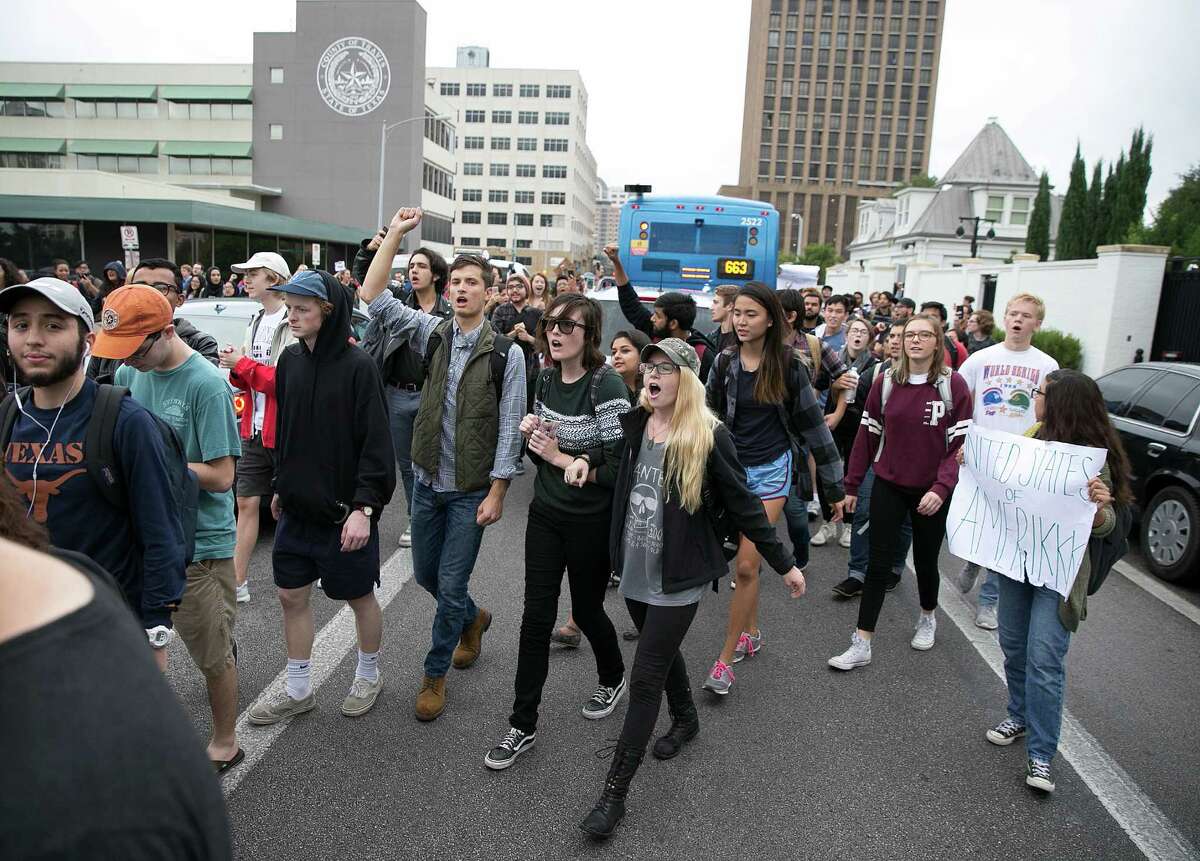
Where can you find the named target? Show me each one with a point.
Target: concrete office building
(608, 213)
(526, 181)
(213, 161)
(839, 108)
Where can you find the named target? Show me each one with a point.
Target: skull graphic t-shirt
(641, 574)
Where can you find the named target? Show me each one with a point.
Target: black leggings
(554, 541)
(889, 505)
(658, 664)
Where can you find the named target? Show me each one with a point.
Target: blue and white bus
(697, 243)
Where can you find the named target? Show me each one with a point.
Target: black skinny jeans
(657, 664)
(889, 505)
(554, 541)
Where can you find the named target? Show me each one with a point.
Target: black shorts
(255, 469)
(305, 551)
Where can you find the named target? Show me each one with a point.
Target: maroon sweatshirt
(915, 453)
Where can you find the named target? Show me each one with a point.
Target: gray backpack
(889, 382)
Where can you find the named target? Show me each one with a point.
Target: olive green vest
(477, 414)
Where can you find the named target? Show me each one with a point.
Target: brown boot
(471, 642)
(431, 700)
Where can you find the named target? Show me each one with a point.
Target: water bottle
(852, 393)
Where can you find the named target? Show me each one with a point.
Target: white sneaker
(822, 536)
(858, 655)
(985, 617)
(847, 534)
(406, 537)
(926, 628)
(967, 576)
(243, 593)
(814, 509)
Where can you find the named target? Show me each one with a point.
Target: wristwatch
(366, 509)
(159, 636)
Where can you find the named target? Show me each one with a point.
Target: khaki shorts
(204, 620)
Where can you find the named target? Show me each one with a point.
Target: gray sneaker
(720, 679)
(243, 593)
(858, 655)
(985, 617)
(406, 537)
(967, 577)
(362, 696)
(748, 645)
(279, 707)
(926, 627)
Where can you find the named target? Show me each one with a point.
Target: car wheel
(1170, 540)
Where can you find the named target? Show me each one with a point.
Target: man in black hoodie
(335, 473)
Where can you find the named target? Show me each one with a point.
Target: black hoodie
(333, 440)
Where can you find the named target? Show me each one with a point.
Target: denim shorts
(771, 480)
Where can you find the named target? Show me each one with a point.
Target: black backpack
(101, 460)
(722, 524)
(1105, 551)
(497, 361)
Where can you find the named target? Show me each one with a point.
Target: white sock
(368, 666)
(299, 679)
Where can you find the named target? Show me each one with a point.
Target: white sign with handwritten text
(1021, 507)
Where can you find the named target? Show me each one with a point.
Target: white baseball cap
(265, 260)
(59, 293)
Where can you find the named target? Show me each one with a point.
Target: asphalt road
(888, 761)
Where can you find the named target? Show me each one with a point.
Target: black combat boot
(610, 809)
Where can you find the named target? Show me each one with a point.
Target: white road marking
(1159, 590)
(331, 645)
(1147, 826)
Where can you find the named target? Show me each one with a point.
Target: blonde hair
(900, 372)
(1036, 301)
(689, 440)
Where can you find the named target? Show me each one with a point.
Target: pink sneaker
(720, 679)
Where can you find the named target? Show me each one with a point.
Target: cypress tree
(1104, 223)
(1131, 180)
(1072, 240)
(1095, 230)
(1113, 235)
(1037, 239)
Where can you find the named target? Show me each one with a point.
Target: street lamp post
(975, 219)
(799, 219)
(384, 131)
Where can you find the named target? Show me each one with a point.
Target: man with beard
(812, 312)
(673, 317)
(49, 335)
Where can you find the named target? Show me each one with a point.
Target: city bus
(697, 243)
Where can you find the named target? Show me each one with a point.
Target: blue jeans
(795, 512)
(860, 542)
(402, 408)
(1035, 662)
(445, 543)
(989, 590)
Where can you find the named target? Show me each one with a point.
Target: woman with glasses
(912, 426)
(679, 468)
(575, 441)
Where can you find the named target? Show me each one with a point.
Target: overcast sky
(666, 77)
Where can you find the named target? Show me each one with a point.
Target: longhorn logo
(40, 490)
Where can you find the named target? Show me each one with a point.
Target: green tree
(1072, 240)
(1104, 220)
(920, 180)
(1037, 239)
(1177, 221)
(815, 255)
(1095, 206)
(1132, 177)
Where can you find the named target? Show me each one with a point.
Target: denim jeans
(860, 541)
(795, 512)
(1035, 662)
(402, 408)
(445, 543)
(989, 590)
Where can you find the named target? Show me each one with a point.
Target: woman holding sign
(924, 409)
(1035, 623)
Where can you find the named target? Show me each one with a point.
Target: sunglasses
(564, 326)
(147, 345)
(664, 369)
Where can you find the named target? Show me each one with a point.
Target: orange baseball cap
(130, 315)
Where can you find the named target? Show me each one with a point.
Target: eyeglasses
(564, 326)
(664, 369)
(1039, 393)
(162, 287)
(919, 336)
(147, 345)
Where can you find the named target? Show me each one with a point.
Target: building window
(523, 219)
(196, 166)
(469, 241)
(473, 143)
(558, 91)
(554, 171)
(111, 110)
(496, 242)
(546, 221)
(995, 207)
(501, 143)
(470, 217)
(525, 243)
(448, 89)
(502, 90)
(527, 118)
(554, 198)
(530, 91)
(497, 196)
(439, 131)
(275, 131)
(497, 218)
(472, 195)
(205, 110)
(437, 180)
(523, 196)
(498, 169)
(474, 116)
(472, 168)
(502, 116)
(557, 118)
(555, 145)
(36, 160)
(527, 170)
(477, 90)
(1020, 211)
(27, 108)
(527, 144)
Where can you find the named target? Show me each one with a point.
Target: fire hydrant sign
(1021, 506)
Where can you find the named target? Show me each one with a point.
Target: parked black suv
(1155, 406)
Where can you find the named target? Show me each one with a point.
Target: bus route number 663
(736, 267)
